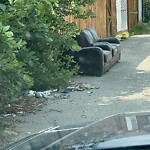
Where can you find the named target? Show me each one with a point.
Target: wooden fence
(132, 7)
(105, 21)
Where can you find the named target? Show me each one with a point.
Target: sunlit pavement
(125, 88)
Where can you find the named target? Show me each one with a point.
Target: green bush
(141, 28)
(48, 35)
(13, 76)
(146, 10)
(34, 37)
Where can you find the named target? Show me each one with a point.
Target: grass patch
(141, 28)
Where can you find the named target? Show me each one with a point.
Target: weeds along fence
(146, 11)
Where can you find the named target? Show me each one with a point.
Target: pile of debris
(31, 102)
(61, 92)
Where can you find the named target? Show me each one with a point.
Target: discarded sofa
(98, 55)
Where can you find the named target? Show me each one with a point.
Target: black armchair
(86, 39)
(97, 54)
(92, 60)
(89, 38)
(110, 40)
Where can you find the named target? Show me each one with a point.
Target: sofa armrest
(91, 53)
(110, 40)
(103, 45)
(91, 61)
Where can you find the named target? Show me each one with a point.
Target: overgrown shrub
(34, 42)
(13, 76)
(146, 10)
(140, 28)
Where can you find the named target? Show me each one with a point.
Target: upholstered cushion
(114, 50)
(107, 56)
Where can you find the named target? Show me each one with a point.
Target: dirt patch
(11, 114)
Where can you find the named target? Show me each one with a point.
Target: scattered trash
(21, 112)
(39, 94)
(89, 92)
(83, 116)
(29, 93)
(32, 101)
(64, 90)
(61, 92)
(80, 86)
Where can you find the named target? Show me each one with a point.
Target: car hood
(120, 126)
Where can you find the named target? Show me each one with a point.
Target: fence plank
(132, 13)
(100, 22)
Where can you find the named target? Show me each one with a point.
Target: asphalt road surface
(125, 88)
